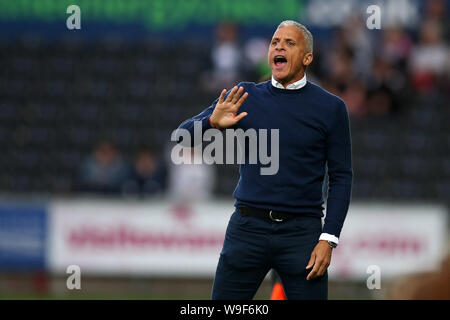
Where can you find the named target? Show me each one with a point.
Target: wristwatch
(332, 244)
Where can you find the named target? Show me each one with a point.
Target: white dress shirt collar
(293, 86)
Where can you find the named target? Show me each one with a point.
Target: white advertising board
(160, 239)
(130, 238)
(398, 239)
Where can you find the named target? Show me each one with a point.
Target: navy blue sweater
(314, 134)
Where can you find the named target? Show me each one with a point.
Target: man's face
(287, 55)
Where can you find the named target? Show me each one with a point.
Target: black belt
(273, 215)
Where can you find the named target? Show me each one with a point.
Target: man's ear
(307, 59)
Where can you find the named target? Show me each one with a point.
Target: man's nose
(279, 47)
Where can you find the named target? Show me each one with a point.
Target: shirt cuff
(329, 237)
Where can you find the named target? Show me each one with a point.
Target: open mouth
(279, 61)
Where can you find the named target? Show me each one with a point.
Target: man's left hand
(320, 260)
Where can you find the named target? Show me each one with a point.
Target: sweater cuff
(210, 122)
(206, 124)
(335, 217)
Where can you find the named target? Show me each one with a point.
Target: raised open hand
(224, 114)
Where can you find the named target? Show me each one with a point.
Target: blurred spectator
(354, 96)
(384, 86)
(338, 64)
(147, 177)
(341, 81)
(191, 182)
(395, 46)
(257, 66)
(358, 39)
(226, 58)
(104, 171)
(429, 61)
(436, 10)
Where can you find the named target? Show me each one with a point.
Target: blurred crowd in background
(96, 117)
(377, 74)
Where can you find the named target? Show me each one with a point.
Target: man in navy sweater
(277, 221)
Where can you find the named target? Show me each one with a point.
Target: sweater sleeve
(340, 172)
(189, 125)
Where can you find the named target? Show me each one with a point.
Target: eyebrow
(287, 39)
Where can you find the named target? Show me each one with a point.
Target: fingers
(311, 263)
(241, 100)
(240, 116)
(313, 272)
(322, 269)
(222, 95)
(231, 94)
(320, 266)
(319, 261)
(237, 95)
(311, 260)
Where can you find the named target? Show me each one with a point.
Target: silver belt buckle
(273, 219)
